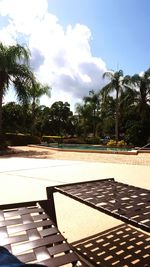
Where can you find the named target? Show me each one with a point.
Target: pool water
(85, 147)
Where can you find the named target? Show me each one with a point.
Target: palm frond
(18, 54)
(108, 74)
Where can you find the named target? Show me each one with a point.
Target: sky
(73, 42)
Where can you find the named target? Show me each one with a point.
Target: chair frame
(28, 230)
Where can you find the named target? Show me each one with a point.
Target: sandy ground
(26, 173)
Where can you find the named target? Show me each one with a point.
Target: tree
(94, 103)
(35, 91)
(60, 118)
(13, 115)
(84, 119)
(116, 84)
(43, 124)
(107, 114)
(140, 85)
(13, 66)
(128, 113)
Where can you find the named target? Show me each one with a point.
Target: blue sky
(73, 42)
(120, 29)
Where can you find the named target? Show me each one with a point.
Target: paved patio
(36, 152)
(25, 176)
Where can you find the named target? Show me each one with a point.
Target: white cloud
(61, 57)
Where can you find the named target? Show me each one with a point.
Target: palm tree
(13, 66)
(35, 91)
(83, 111)
(116, 84)
(141, 84)
(94, 102)
(107, 111)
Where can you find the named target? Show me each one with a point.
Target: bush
(111, 143)
(73, 141)
(138, 134)
(51, 139)
(121, 143)
(93, 140)
(21, 139)
(64, 140)
(114, 143)
(77, 140)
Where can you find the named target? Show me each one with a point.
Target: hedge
(21, 139)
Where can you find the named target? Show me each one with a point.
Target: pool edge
(134, 152)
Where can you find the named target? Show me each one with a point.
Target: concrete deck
(25, 177)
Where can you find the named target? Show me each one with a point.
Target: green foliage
(15, 119)
(93, 140)
(114, 143)
(71, 140)
(35, 92)
(121, 143)
(138, 134)
(14, 68)
(125, 114)
(74, 140)
(64, 140)
(21, 139)
(89, 115)
(116, 84)
(51, 139)
(61, 119)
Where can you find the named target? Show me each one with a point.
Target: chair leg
(49, 208)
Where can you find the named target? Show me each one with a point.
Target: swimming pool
(86, 148)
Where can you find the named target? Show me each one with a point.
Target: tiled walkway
(34, 152)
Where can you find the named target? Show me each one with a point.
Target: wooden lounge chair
(28, 231)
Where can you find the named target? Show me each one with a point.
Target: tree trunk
(94, 123)
(2, 145)
(117, 117)
(1, 98)
(33, 119)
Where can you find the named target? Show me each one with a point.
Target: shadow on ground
(12, 152)
(121, 246)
